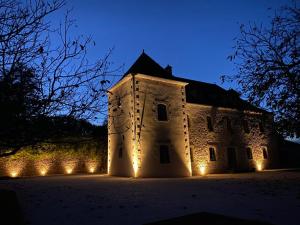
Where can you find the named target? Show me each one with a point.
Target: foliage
(268, 64)
(45, 75)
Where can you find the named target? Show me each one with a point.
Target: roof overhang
(146, 77)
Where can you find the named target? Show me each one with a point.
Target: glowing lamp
(92, 170)
(13, 174)
(69, 170)
(259, 167)
(43, 172)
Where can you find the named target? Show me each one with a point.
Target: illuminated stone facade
(157, 130)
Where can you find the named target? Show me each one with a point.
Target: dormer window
(162, 112)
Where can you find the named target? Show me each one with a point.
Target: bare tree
(267, 58)
(61, 80)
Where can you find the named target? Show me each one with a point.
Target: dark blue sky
(195, 37)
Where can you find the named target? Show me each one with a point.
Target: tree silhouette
(267, 58)
(44, 73)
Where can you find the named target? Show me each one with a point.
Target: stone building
(161, 125)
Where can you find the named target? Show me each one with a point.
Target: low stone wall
(64, 158)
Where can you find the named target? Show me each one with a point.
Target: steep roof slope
(196, 91)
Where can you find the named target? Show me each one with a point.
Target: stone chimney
(168, 69)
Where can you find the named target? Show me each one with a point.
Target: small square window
(164, 154)
(212, 154)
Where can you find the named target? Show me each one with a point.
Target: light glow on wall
(14, 167)
(91, 165)
(202, 169)
(135, 161)
(13, 174)
(43, 166)
(69, 165)
(259, 166)
(43, 172)
(135, 166)
(69, 170)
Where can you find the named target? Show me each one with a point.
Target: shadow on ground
(207, 219)
(10, 209)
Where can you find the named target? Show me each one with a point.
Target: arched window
(249, 153)
(212, 154)
(162, 112)
(265, 153)
(209, 124)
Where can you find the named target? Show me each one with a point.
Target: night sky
(195, 37)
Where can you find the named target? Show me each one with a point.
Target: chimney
(168, 69)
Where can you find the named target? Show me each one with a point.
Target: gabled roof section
(146, 65)
(197, 92)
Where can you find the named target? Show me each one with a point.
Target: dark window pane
(164, 154)
(209, 124)
(162, 112)
(249, 153)
(246, 126)
(265, 153)
(212, 154)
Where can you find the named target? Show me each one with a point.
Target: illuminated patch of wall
(14, 167)
(91, 165)
(69, 165)
(43, 166)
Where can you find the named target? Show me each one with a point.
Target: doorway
(231, 156)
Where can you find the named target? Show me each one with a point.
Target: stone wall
(153, 133)
(223, 136)
(120, 130)
(64, 158)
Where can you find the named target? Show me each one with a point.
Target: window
(265, 153)
(162, 112)
(209, 124)
(164, 154)
(261, 127)
(246, 126)
(228, 123)
(249, 153)
(120, 152)
(212, 154)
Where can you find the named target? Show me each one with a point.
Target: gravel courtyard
(96, 199)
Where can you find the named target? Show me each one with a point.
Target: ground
(272, 196)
